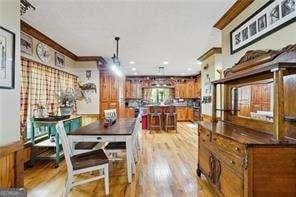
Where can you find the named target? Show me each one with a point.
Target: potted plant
(66, 99)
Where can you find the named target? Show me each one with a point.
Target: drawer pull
(232, 162)
(99, 138)
(236, 148)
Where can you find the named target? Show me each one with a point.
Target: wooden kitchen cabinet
(190, 114)
(133, 89)
(128, 89)
(111, 93)
(182, 114)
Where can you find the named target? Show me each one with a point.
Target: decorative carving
(215, 170)
(256, 54)
(258, 57)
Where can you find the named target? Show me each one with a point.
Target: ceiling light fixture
(133, 69)
(189, 69)
(115, 66)
(135, 73)
(165, 63)
(160, 70)
(132, 62)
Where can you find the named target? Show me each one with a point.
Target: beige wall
(10, 99)
(214, 63)
(277, 40)
(79, 70)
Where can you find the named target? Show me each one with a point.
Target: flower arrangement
(66, 99)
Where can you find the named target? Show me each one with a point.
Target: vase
(66, 111)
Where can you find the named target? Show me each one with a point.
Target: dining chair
(82, 163)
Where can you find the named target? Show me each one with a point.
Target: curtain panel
(39, 86)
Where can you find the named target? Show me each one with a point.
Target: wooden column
(214, 103)
(278, 105)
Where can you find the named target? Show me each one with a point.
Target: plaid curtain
(39, 86)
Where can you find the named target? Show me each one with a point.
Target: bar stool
(171, 119)
(156, 116)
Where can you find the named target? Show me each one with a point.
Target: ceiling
(151, 32)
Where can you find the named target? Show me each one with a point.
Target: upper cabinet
(184, 87)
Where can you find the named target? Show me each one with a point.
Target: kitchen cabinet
(190, 114)
(133, 89)
(182, 114)
(111, 91)
(188, 89)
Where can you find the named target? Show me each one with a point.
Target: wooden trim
(232, 13)
(210, 52)
(10, 148)
(28, 29)
(88, 58)
(12, 160)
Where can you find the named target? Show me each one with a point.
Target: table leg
(129, 161)
(57, 159)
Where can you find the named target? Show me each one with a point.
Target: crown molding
(232, 13)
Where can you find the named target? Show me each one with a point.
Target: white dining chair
(82, 163)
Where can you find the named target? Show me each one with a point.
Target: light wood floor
(167, 167)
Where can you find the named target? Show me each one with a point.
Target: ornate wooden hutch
(250, 150)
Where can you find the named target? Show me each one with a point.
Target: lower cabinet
(237, 169)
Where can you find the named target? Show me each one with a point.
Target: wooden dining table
(124, 130)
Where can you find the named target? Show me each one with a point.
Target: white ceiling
(177, 31)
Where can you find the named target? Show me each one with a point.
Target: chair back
(65, 143)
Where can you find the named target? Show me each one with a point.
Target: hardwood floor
(167, 167)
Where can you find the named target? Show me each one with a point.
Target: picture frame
(59, 60)
(26, 44)
(7, 58)
(271, 17)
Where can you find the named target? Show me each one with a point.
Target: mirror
(253, 101)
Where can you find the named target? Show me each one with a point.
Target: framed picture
(26, 44)
(7, 58)
(271, 17)
(59, 60)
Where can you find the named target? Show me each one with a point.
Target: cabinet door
(177, 90)
(113, 88)
(203, 159)
(127, 89)
(230, 183)
(104, 87)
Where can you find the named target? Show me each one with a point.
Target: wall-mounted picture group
(273, 16)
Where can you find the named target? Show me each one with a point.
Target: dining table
(123, 130)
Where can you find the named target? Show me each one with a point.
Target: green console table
(51, 145)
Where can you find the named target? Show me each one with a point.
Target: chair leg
(69, 183)
(106, 179)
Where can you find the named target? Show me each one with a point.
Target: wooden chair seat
(116, 146)
(89, 159)
(85, 145)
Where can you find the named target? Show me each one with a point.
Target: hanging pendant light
(115, 66)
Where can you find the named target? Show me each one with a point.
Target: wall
(277, 40)
(214, 63)
(68, 61)
(79, 70)
(10, 99)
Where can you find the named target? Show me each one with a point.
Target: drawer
(235, 164)
(228, 145)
